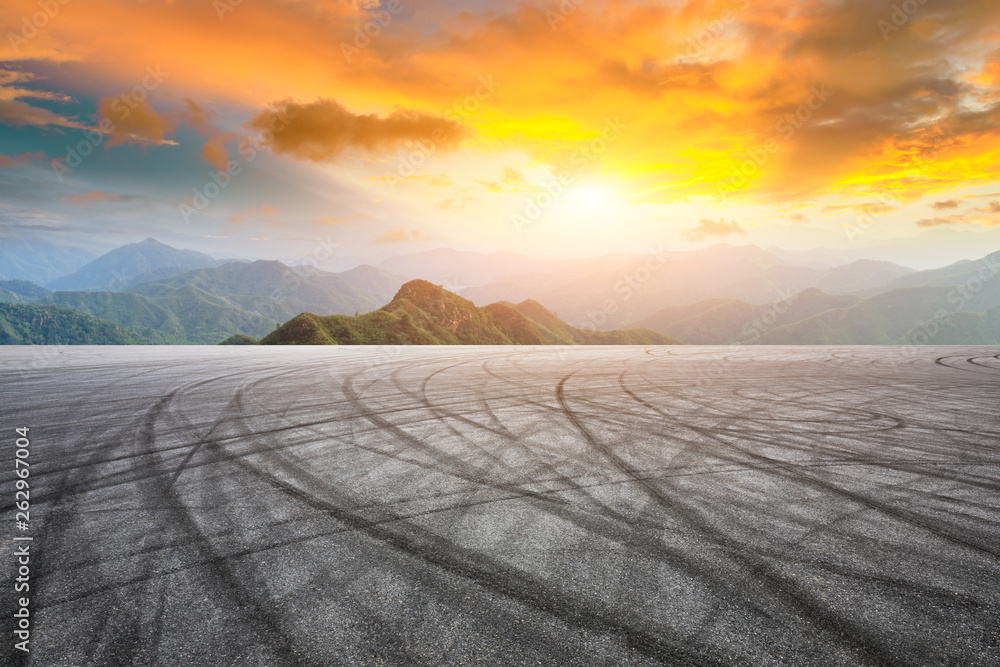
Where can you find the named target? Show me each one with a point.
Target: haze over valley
(148, 292)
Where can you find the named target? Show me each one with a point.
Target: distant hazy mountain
(448, 266)
(928, 248)
(20, 291)
(612, 298)
(965, 272)
(820, 258)
(625, 295)
(907, 315)
(727, 320)
(27, 257)
(926, 314)
(378, 282)
(116, 270)
(425, 314)
(209, 305)
(273, 289)
(859, 276)
(48, 325)
(718, 295)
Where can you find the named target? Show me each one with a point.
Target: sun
(591, 196)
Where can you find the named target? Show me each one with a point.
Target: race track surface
(507, 506)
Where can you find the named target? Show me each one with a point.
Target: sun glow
(592, 196)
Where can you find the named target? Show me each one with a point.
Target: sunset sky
(548, 128)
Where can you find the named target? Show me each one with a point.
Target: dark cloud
(942, 221)
(324, 130)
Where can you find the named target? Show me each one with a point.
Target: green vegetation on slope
(425, 314)
(168, 315)
(208, 319)
(21, 291)
(239, 339)
(50, 325)
(131, 311)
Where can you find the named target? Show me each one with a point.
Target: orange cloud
(708, 227)
(202, 119)
(707, 89)
(15, 112)
(215, 153)
(942, 221)
(22, 160)
(402, 235)
(330, 220)
(92, 196)
(988, 215)
(132, 120)
(266, 213)
(323, 130)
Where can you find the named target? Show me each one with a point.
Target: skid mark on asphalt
(614, 464)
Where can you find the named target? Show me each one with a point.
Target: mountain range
(28, 257)
(134, 263)
(649, 283)
(918, 307)
(422, 313)
(723, 294)
(153, 291)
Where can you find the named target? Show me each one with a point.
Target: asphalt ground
(505, 505)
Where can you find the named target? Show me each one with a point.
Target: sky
(358, 129)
